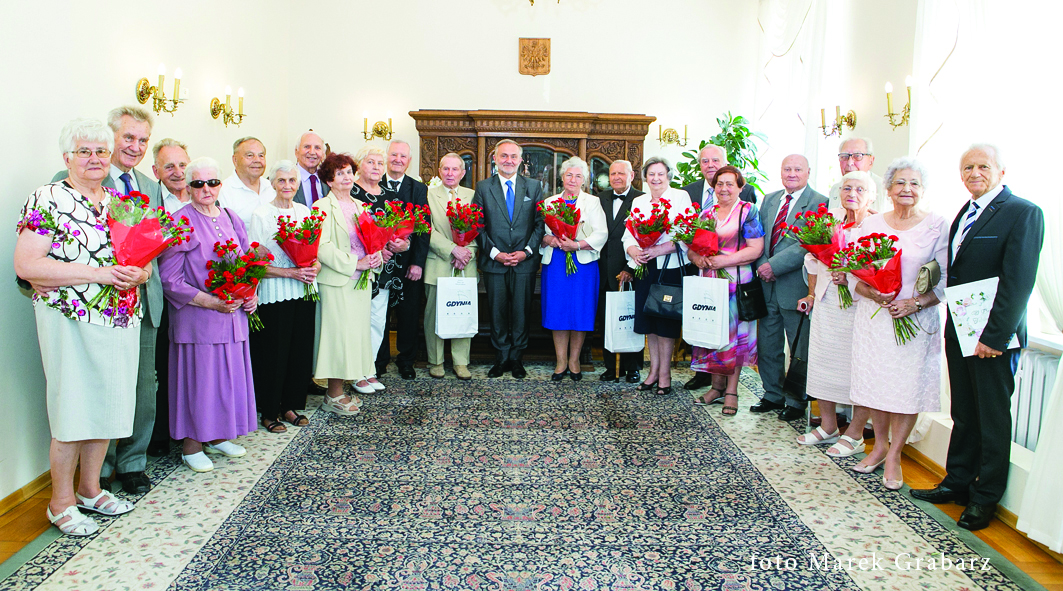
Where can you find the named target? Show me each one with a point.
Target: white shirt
(707, 196)
(618, 201)
(116, 174)
(793, 204)
(678, 202)
(388, 181)
(304, 180)
(982, 202)
(170, 202)
(262, 228)
(243, 201)
(513, 184)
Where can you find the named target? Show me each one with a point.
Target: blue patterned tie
(967, 223)
(509, 199)
(127, 181)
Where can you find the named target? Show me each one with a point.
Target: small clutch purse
(929, 275)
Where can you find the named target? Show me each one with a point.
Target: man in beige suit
(444, 257)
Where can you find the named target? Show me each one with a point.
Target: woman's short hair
(578, 163)
(334, 163)
(903, 163)
(283, 166)
(367, 151)
(199, 164)
(864, 177)
(85, 130)
(657, 160)
(739, 179)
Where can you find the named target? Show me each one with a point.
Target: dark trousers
(773, 331)
(405, 315)
(980, 447)
(509, 297)
(282, 356)
(161, 432)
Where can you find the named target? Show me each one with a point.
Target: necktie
(779, 228)
(394, 185)
(709, 198)
(127, 181)
(969, 221)
(509, 199)
(313, 189)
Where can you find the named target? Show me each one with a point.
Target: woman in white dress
(831, 331)
(902, 380)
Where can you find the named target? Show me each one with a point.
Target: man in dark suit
(996, 234)
(405, 296)
(612, 264)
(128, 457)
(310, 153)
(779, 268)
(512, 233)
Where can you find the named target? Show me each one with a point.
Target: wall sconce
(157, 95)
(906, 111)
(671, 136)
(226, 110)
(839, 123)
(380, 129)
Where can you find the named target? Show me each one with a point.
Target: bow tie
(615, 196)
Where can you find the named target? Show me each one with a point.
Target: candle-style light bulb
(162, 76)
(823, 118)
(228, 94)
(240, 95)
(889, 98)
(177, 84)
(908, 80)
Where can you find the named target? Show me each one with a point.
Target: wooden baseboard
(16, 498)
(1005, 516)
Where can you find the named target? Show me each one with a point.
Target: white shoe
(376, 386)
(840, 451)
(79, 524)
(226, 448)
(198, 462)
(112, 505)
(367, 389)
(334, 406)
(818, 436)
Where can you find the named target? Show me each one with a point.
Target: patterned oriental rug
(508, 485)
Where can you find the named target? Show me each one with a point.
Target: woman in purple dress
(212, 394)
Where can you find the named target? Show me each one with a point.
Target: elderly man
(132, 130)
(171, 158)
(509, 243)
(779, 268)
(856, 154)
(612, 265)
(995, 235)
(245, 190)
(310, 153)
(404, 291)
(443, 260)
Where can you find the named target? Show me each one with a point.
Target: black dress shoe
(498, 369)
(608, 376)
(158, 449)
(940, 495)
(576, 375)
(765, 405)
(381, 369)
(135, 483)
(791, 414)
(557, 377)
(406, 372)
(976, 517)
(518, 370)
(700, 380)
(633, 377)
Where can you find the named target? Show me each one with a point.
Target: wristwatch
(918, 305)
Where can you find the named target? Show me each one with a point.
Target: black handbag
(797, 373)
(665, 300)
(749, 297)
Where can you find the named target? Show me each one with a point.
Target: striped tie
(967, 223)
(780, 225)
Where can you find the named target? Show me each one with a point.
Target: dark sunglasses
(199, 184)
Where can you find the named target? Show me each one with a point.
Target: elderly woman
(570, 301)
(830, 344)
(663, 263)
(741, 242)
(904, 379)
(343, 350)
(212, 392)
(89, 355)
(370, 162)
(282, 353)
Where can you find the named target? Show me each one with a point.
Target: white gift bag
(706, 312)
(457, 311)
(620, 335)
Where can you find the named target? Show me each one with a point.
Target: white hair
(867, 144)
(282, 166)
(114, 118)
(244, 140)
(990, 149)
(398, 141)
(902, 163)
(864, 177)
(306, 133)
(627, 165)
(576, 162)
(723, 151)
(367, 151)
(84, 130)
(520, 150)
(168, 142)
(657, 160)
(200, 164)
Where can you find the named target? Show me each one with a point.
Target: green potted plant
(738, 140)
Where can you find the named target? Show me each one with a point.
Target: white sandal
(79, 524)
(334, 405)
(113, 506)
(818, 437)
(840, 451)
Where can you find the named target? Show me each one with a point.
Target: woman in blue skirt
(570, 297)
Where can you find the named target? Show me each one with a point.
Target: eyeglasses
(859, 190)
(858, 156)
(103, 153)
(199, 184)
(901, 183)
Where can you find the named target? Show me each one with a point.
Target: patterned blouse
(79, 235)
(393, 272)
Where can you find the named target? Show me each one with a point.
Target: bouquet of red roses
(300, 240)
(374, 231)
(648, 230)
(563, 220)
(699, 234)
(874, 260)
(409, 219)
(823, 235)
(138, 235)
(466, 219)
(235, 276)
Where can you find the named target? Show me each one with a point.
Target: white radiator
(1033, 386)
